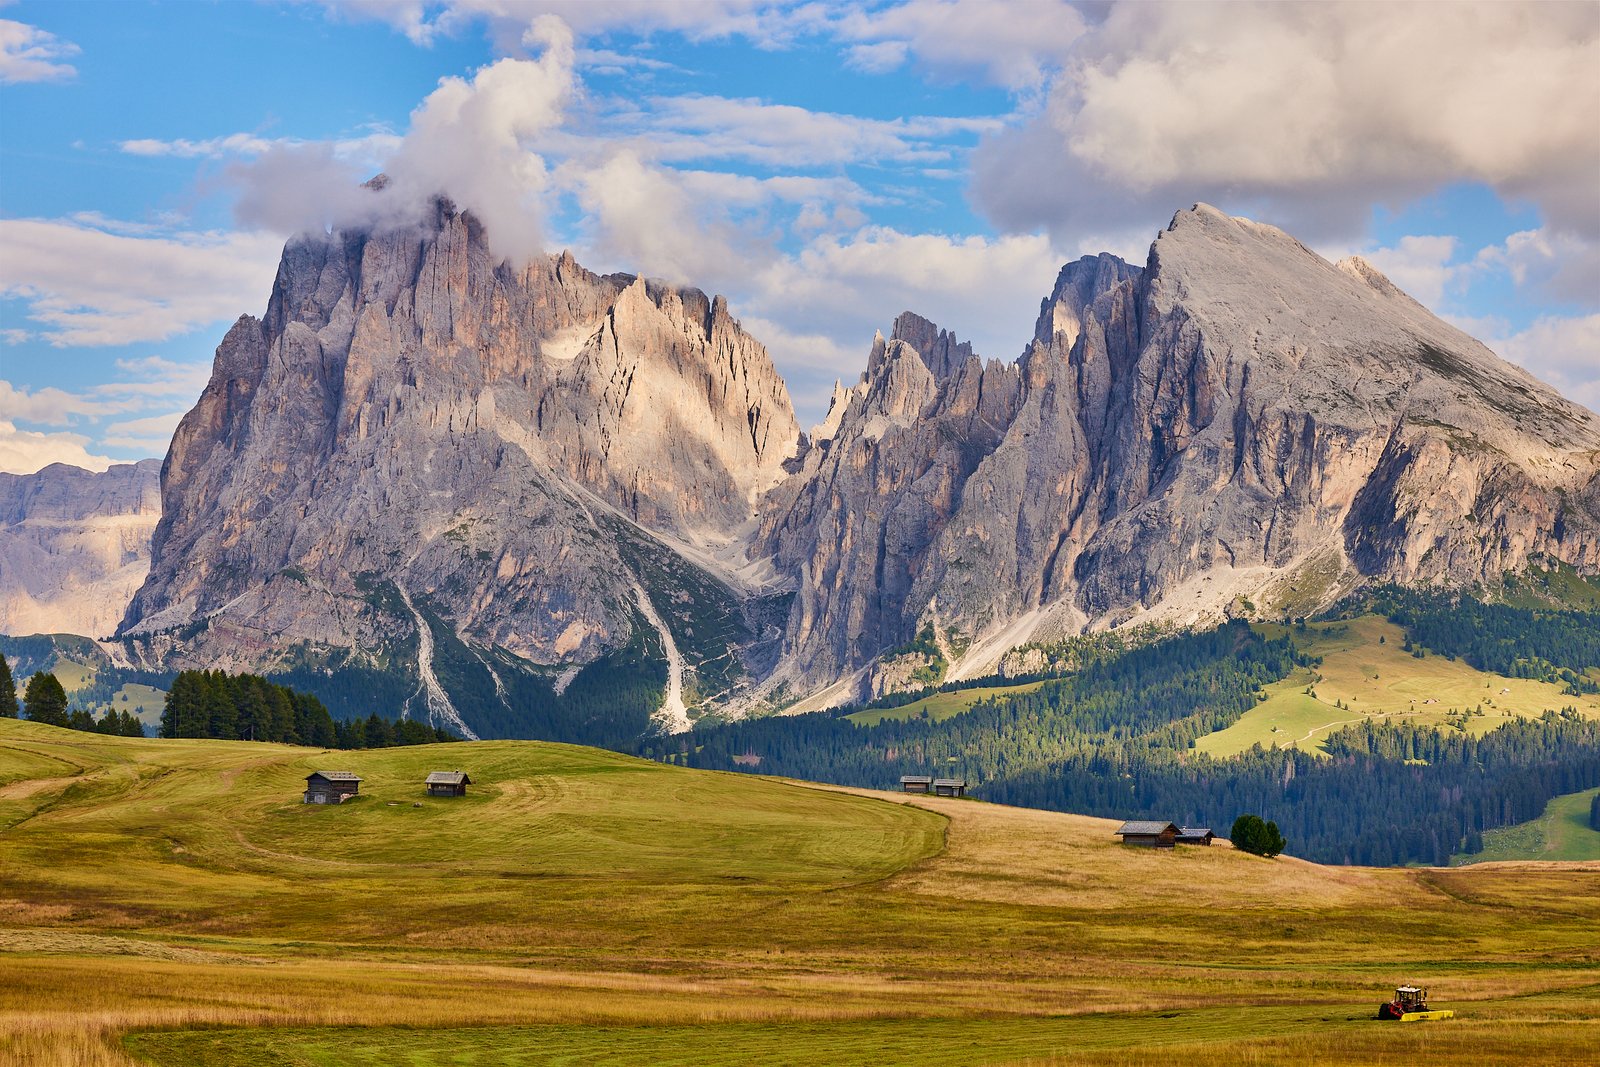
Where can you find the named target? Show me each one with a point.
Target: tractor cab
(1410, 1003)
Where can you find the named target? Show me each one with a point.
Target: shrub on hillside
(1251, 835)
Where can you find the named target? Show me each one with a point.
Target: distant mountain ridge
(543, 500)
(75, 545)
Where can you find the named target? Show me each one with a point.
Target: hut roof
(335, 776)
(1147, 827)
(915, 779)
(448, 778)
(962, 782)
(1195, 831)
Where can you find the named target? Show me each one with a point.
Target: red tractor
(1410, 1003)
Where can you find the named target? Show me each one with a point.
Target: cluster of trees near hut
(248, 707)
(45, 700)
(1116, 740)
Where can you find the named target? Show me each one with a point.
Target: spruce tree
(8, 691)
(1594, 813)
(45, 700)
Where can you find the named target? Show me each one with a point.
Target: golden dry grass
(171, 888)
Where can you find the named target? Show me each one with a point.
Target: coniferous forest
(1115, 739)
(247, 707)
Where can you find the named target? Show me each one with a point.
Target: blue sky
(825, 165)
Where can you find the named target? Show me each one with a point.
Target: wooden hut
(916, 783)
(331, 787)
(1195, 835)
(1149, 834)
(950, 787)
(448, 784)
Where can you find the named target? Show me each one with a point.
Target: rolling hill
(172, 902)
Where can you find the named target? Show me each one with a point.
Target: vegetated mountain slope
(74, 545)
(1238, 426)
(428, 465)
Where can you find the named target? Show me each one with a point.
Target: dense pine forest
(1115, 739)
(247, 707)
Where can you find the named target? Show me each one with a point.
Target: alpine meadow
(804, 532)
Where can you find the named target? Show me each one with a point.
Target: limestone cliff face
(1238, 425)
(74, 545)
(415, 433)
(425, 463)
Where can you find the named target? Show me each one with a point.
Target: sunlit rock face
(1237, 426)
(422, 453)
(412, 419)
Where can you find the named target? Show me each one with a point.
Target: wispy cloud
(88, 285)
(29, 54)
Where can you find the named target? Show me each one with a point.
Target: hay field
(171, 902)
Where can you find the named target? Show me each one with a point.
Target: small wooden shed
(448, 784)
(331, 787)
(1149, 834)
(950, 787)
(1195, 835)
(916, 783)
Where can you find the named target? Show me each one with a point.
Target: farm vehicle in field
(1410, 1004)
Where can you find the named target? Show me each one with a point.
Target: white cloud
(1307, 114)
(817, 311)
(29, 54)
(1558, 266)
(782, 135)
(26, 451)
(151, 434)
(88, 286)
(1014, 47)
(367, 148)
(505, 20)
(55, 407)
(154, 376)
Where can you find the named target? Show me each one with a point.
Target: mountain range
(533, 500)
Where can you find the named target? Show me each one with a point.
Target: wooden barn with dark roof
(331, 787)
(1149, 834)
(448, 784)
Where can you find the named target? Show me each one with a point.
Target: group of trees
(45, 700)
(247, 707)
(1594, 813)
(1251, 834)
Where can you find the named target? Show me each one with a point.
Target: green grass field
(940, 706)
(1561, 833)
(1376, 679)
(172, 903)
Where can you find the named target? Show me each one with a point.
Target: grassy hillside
(1365, 668)
(171, 902)
(1561, 833)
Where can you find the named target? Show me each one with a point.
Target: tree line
(247, 707)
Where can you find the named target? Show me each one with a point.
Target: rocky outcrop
(416, 435)
(1238, 426)
(532, 488)
(74, 546)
